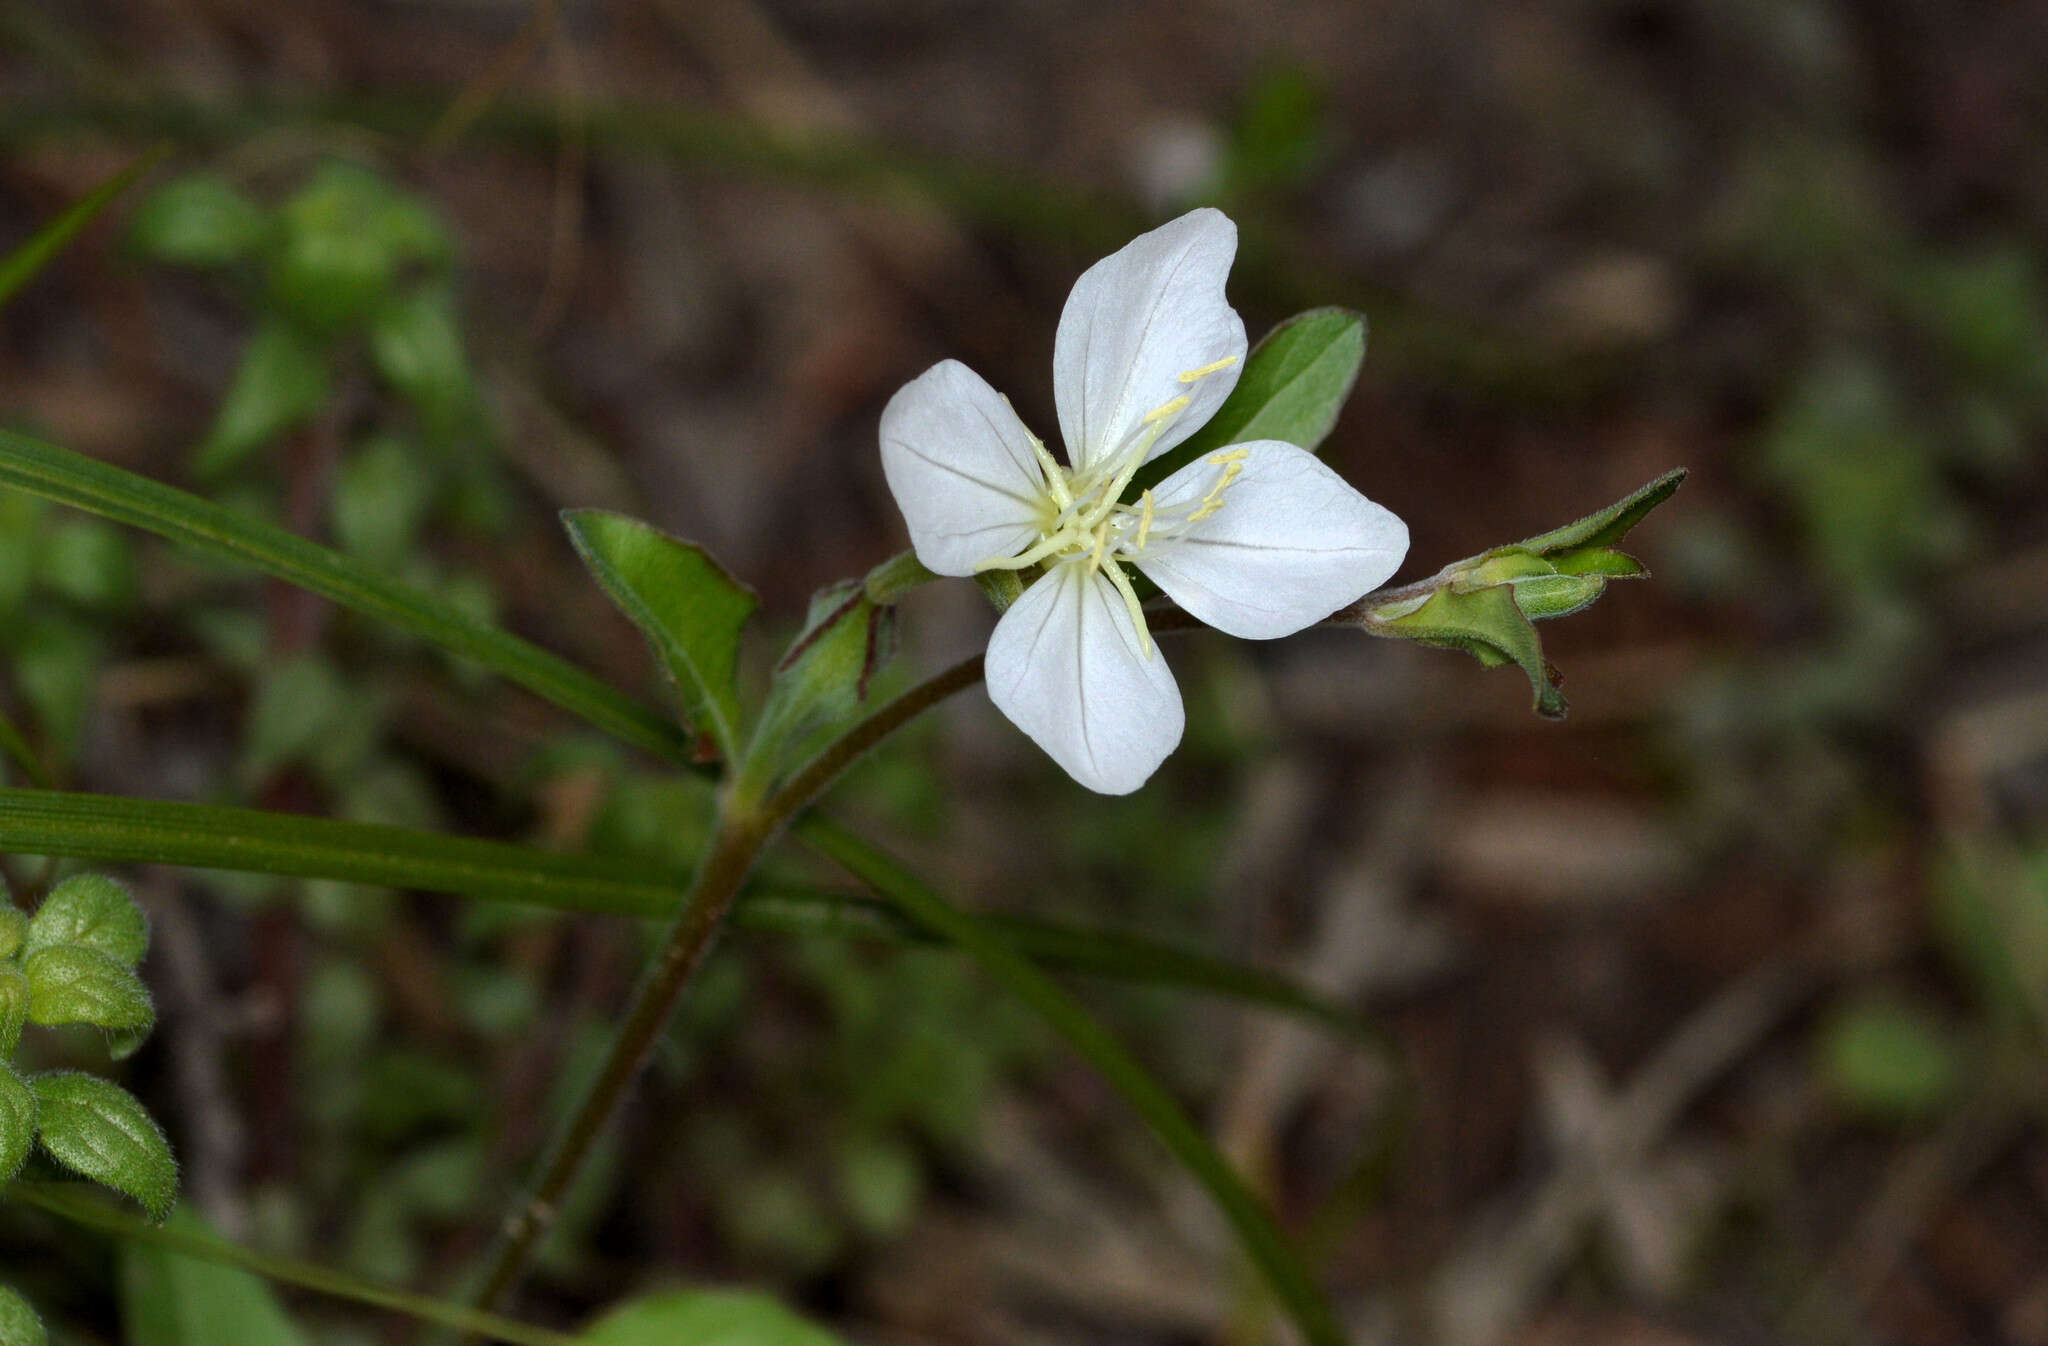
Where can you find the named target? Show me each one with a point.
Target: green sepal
(18, 1110)
(691, 611)
(94, 911)
(1000, 587)
(823, 677)
(100, 1131)
(281, 382)
(1487, 605)
(198, 221)
(20, 1325)
(13, 930)
(72, 984)
(14, 999)
(1293, 386)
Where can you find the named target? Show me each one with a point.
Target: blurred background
(1711, 1015)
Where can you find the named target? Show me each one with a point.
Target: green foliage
(22, 265)
(706, 1318)
(416, 345)
(282, 382)
(382, 497)
(345, 236)
(13, 931)
(1487, 605)
(823, 677)
(169, 1299)
(1293, 386)
(14, 999)
(19, 1323)
(98, 1130)
(18, 1110)
(71, 984)
(689, 609)
(1889, 1059)
(93, 912)
(199, 221)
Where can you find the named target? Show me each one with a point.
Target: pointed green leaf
(416, 344)
(19, 1323)
(22, 265)
(168, 1299)
(381, 498)
(94, 911)
(100, 1131)
(199, 220)
(282, 381)
(823, 676)
(1604, 528)
(1294, 385)
(17, 1122)
(706, 1318)
(689, 609)
(71, 984)
(13, 1008)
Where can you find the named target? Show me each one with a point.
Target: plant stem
(59, 1200)
(734, 848)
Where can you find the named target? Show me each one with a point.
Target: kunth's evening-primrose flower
(1259, 539)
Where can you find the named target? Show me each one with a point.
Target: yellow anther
(1206, 370)
(1232, 463)
(1168, 409)
(1144, 518)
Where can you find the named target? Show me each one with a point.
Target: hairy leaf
(94, 911)
(100, 1131)
(71, 984)
(18, 1110)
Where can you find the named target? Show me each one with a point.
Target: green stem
(61, 1201)
(733, 851)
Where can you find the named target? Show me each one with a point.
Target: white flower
(1259, 539)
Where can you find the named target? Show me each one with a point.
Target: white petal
(960, 465)
(1065, 666)
(1292, 543)
(1136, 321)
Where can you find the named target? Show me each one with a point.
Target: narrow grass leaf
(22, 265)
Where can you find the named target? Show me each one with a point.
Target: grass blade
(1261, 1238)
(98, 488)
(41, 248)
(112, 829)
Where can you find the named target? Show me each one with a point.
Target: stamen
(1232, 463)
(1047, 545)
(1122, 582)
(1101, 541)
(1165, 409)
(1055, 476)
(1144, 519)
(1196, 375)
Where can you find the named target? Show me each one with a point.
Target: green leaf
(74, 985)
(17, 1122)
(94, 911)
(1889, 1059)
(98, 1130)
(381, 498)
(13, 1008)
(706, 1318)
(823, 677)
(690, 610)
(172, 1300)
(22, 265)
(416, 344)
(1261, 1238)
(89, 563)
(1294, 384)
(13, 930)
(19, 1323)
(111, 830)
(1604, 528)
(297, 707)
(56, 665)
(73, 479)
(334, 264)
(199, 220)
(282, 381)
